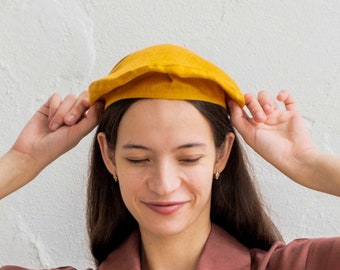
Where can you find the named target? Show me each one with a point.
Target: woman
(169, 186)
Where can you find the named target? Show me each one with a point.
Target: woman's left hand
(277, 134)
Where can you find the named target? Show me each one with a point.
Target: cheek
(131, 185)
(129, 195)
(200, 180)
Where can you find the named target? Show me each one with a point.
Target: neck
(180, 251)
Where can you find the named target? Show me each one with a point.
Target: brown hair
(235, 206)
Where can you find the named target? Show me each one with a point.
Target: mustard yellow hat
(165, 72)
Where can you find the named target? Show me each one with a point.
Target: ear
(107, 153)
(223, 153)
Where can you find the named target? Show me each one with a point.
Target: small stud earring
(115, 177)
(217, 175)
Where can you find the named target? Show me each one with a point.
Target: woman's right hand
(54, 129)
(57, 127)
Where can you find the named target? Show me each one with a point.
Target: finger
(267, 102)
(86, 124)
(240, 119)
(288, 100)
(86, 102)
(50, 106)
(78, 110)
(234, 109)
(255, 108)
(54, 103)
(57, 119)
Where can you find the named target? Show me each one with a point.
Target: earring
(115, 177)
(217, 175)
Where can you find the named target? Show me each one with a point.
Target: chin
(165, 229)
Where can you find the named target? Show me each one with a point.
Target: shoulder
(319, 253)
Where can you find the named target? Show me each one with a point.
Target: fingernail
(54, 126)
(70, 118)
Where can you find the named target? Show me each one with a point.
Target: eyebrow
(191, 145)
(135, 146)
(184, 146)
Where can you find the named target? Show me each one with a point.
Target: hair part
(235, 205)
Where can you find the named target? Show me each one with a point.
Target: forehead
(160, 120)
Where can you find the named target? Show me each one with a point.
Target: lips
(164, 208)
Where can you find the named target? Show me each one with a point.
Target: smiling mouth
(165, 208)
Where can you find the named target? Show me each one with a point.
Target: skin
(281, 137)
(165, 163)
(53, 130)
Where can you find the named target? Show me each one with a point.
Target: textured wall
(51, 46)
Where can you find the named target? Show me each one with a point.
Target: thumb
(240, 120)
(91, 120)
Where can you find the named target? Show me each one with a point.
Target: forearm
(318, 171)
(16, 169)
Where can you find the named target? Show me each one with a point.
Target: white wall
(51, 46)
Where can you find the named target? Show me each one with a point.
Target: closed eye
(137, 161)
(190, 161)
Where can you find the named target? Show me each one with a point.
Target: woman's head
(180, 133)
(164, 134)
(165, 158)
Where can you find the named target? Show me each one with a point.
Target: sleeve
(300, 254)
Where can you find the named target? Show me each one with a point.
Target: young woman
(169, 186)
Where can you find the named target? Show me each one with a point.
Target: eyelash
(186, 161)
(137, 161)
(190, 161)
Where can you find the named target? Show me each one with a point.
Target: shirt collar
(221, 251)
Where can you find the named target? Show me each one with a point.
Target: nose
(164, 178)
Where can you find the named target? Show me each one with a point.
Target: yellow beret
(165, 72)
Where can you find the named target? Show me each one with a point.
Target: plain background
(60, 46)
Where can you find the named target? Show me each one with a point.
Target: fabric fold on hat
(167, 72)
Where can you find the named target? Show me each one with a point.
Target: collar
(221, 251)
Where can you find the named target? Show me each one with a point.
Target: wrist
(17, 169)
(23, 162)
(319, 171)
(301, 167)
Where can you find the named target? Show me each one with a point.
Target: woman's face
(165, 159)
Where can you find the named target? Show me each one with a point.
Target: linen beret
(166, 72)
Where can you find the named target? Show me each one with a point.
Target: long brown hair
(235, 206)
